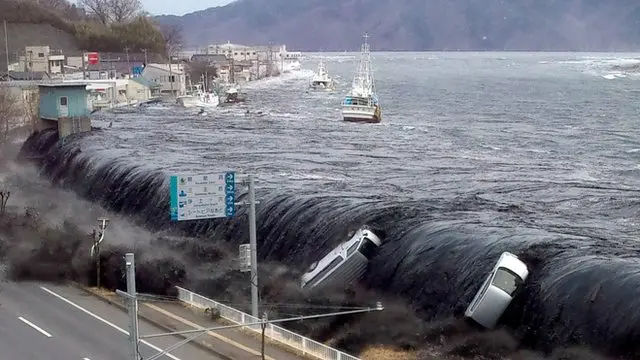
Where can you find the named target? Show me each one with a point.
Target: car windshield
(506, 280)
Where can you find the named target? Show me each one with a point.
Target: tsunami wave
(582, 290)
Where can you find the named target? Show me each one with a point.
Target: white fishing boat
(361, 103)
(198, 98)
(321, 79)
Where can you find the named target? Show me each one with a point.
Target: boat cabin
(233, 96)
(360, 101)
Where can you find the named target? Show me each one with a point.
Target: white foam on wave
(614, 75)
(607, 67)
(279, 80)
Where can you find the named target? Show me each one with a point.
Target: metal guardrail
(276, 333)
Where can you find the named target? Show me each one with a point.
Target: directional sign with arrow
(196, 197)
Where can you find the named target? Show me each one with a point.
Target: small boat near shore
(197, 97)
(321, 79)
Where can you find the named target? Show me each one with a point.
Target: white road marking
(104, 321)
(39, 329)
(86, 359)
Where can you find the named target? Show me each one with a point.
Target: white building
(172, 79)
(277, 55)
(140, 89)
(40, 59)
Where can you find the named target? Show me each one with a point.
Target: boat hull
(322, 87)
(361, 114)
(193, 102)
(187, 101)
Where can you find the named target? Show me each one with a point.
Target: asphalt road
(44, 321)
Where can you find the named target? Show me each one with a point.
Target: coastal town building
(170, 77)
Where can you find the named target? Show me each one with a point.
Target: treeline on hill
(92, 31)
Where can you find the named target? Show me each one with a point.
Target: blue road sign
(196, 197)
(230, 192)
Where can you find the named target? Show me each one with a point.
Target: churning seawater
(478, 153)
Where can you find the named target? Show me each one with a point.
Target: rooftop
(24, 75)
(64, 84)
(175, 68)
(145, 82)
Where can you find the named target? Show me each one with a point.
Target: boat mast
(363, 79)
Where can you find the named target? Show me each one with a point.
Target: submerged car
(345, 264)
(497, 291)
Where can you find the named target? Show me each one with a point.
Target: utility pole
(84, 65)
(264, 327)
(6, 44)
(126, 53)
(171, 73)
(254, 247)
(269, 60)
(146, 61)
(95, 249)
(133, 305)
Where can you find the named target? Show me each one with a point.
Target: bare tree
(110, 11)
(59, 5)
(124, 10)
(97, 8)
(30, 109)
(9, 111)
(173, 39)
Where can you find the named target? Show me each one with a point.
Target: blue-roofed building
(66, 107)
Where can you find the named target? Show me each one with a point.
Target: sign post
(254, 248)
(199, 197)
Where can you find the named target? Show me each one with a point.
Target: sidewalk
(234, 344)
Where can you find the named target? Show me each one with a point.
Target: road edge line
(151, 321)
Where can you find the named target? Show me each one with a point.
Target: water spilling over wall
(581, 290)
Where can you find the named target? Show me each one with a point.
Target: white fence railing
(305, 345)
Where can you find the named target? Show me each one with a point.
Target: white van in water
(497, 291)
(345, 264)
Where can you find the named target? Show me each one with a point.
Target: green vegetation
(137, 33)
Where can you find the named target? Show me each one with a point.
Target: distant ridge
(336, 25)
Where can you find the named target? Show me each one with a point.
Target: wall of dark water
(435, 256)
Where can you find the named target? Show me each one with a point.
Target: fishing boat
(321, 79)
(232, 96)
(361, 103)
(197, 97)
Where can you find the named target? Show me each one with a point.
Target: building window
(41, 55)
(172, 78)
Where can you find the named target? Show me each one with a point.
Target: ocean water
(478, 153)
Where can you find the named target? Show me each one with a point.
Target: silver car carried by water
(497, 291)
(345, 264)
